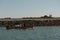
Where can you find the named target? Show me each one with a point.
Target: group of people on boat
(19, 26)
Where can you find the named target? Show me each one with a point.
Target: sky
(29, 8)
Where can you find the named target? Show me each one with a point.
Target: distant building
(50, 16)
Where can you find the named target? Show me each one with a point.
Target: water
(37, 33)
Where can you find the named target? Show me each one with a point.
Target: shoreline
(45, 21)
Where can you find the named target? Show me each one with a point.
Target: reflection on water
(37, 33)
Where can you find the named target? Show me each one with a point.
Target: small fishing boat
(20, 26)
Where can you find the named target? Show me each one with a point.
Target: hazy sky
(27, 8)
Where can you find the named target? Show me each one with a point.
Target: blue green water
(37, 33)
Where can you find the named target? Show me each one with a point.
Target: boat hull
(18, 27)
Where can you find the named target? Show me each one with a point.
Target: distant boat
(18, 27)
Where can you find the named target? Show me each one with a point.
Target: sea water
(37, 33)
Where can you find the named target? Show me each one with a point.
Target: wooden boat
(18, 26)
